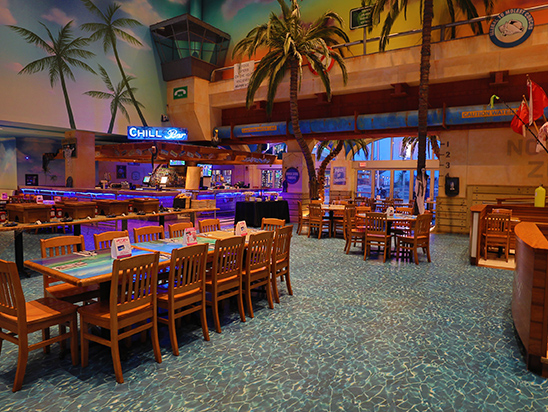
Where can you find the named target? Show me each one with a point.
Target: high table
(21, 227)
(253, 212)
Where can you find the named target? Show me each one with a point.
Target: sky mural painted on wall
(30, 99)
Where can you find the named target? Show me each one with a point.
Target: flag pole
(534, 121)
(524, 124)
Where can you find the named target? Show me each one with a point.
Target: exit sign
(360, 17)
(180, 93)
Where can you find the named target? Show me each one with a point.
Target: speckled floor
(355, 336)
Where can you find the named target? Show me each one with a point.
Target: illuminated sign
(156, 133)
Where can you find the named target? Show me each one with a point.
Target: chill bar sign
(156, 133)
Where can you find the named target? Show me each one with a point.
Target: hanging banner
(242, 74)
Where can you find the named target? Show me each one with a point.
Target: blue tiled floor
(355, 336)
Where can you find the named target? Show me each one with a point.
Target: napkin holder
(120, 248)
(241, 228)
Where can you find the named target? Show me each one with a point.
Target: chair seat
(100, 312)
(209, 282)
(40, 309)
(164, 297)
(64, 291)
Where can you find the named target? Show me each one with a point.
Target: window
(401, 185)
(382, 183)
(364, 183)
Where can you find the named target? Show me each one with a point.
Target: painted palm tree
(290, 42)
(395, 9)
(118, 95)
(109, 30)
(63, 52)
(335, 147)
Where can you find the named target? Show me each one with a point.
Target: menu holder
(39, 199)
(390, 211)
(241, 228)
(120, 248)
(190, 236)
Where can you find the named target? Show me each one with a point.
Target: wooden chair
(18, 319)
(185, 291)
(376, 233)
(62, 245)
(303, 217)
(317, 220)
(257, 267)
(402, 227)
(209, 225)
(338, 218)
(178, 229)
(497, 232)
(148, 233)
(420, 238)
(353, 233)
(132, 302)
(225, 278)
(104, 240)
(280, 259)
(270, 223)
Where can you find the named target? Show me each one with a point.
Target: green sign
(180, 93)
(360, 17)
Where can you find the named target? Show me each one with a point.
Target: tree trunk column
(81, 165)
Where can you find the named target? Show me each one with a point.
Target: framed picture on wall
(136, 176)
(121, 171)
(339, 175)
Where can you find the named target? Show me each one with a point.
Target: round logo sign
(327, 62)
(511, 28)
(292, 175)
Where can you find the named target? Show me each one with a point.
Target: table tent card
(39, 199)
(241, 228)
(390, 211)
(120, 248)
(190, 236)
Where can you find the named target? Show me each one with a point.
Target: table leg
(19, 258)
(124, 224)
(161, 220)
(193, 218)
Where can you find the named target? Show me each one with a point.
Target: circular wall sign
(511, 28)
(327, 61)
(292, 175)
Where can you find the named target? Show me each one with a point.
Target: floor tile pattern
(355, 336)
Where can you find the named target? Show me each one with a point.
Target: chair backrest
(228, 258)
(209, 225)
(137, 279)
(376, 223)
(316, 213)
(282, 244)
(422, 225)
(363, 209)
(104, 240)
(497, 223)
(404, 210)
(61, 245)
(178, 229)
(187, 269)
(148, 233)
(259, 252)
(349, 221)
(270, 223)
(12, 299)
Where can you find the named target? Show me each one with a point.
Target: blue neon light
(156, 133)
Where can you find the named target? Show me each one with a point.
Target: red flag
(520, 119)
(537, 101)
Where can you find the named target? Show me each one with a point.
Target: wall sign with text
(156, 133)
(292, 175)
(511, 28)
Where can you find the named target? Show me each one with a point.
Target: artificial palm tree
(335, 147)
(109, 30)
(290, 42)
(63, 52)
(427, 6)
(118, 96)
(411, 142)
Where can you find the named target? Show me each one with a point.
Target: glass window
(401, 185)
(364, 183)
(382, 183)
(381, 149)
(397, 153)
(436, 182)
(327, 185)
(361, 156)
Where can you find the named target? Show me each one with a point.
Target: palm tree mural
(290, 42)
(118, 96)
(63, 52)
(109, 30)
(427, 7)
(335, 147)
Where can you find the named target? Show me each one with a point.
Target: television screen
(163, 180)
(146, 180)
(206, 170)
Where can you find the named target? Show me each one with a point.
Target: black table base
(253, 212)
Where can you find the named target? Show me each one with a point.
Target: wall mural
(97, 70)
